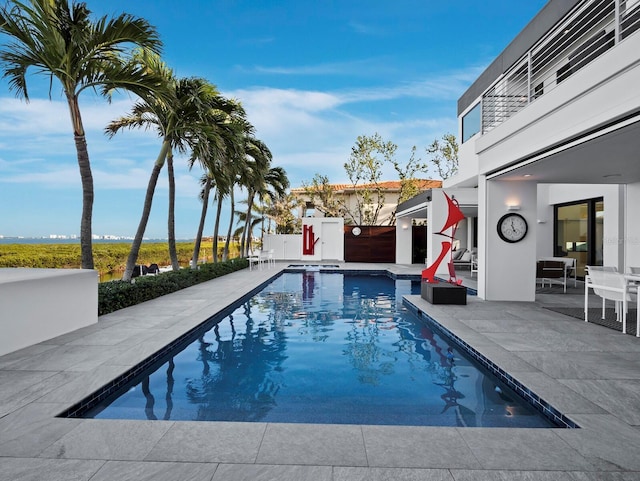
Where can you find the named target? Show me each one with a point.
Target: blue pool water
(316, 347)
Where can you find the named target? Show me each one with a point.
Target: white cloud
(63, 177)
(52, 116)
(364, 67)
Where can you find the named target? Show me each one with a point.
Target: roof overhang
(606, 156)
(416, 207)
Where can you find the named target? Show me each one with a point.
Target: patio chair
(569, 265)
(553, 272)
(613, 286)
(462, 258)
(255, 258)
(474, 264)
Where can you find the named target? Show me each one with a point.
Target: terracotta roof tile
(424, 184)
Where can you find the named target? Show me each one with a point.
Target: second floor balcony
(592, 28)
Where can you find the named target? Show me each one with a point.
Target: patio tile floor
(591, 373)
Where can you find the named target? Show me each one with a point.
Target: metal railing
(591, 29)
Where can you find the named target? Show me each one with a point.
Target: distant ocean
(46, 240)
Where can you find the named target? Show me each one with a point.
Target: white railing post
(616, 23)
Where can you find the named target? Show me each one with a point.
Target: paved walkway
(590, 373)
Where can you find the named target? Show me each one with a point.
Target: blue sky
(312, 76)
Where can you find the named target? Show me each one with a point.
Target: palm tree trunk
(173, 255)
(247, 226)
(86, 248)
(146, 210)
(216, 227)
(203, 216)
(225, 252)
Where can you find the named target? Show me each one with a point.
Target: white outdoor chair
(255, 258)
(474, 264)
(611, 286)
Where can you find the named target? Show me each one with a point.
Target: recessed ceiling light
(526, 175)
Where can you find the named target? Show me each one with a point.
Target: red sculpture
(454, 216)
(308, 240)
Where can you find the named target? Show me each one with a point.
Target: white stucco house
(550, 131)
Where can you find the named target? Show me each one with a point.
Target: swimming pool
(316, 347)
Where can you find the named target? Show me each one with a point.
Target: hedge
(116, 295)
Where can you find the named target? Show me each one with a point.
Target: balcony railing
(591, 29)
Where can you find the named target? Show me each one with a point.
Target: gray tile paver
(313, 444)
(417, 447)
(606, 441)
(29, 469)
(607, 394)
(583, 368)
(112, 439)
(258, 472)
(563, 398)
(154, 471)
(390, 474)
(31, 429)
(209, 442)
(523, 449)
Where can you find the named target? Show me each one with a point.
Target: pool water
(316, 347)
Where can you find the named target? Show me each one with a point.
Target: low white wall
(285, 246)
(40, 304)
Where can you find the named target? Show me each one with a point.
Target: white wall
(544, 221)
(507, 270)
(632, 234)
(404, 241)
(285, 246)
(40, 304)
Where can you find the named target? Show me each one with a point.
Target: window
(471, 123)
(579, 232)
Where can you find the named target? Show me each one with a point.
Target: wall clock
(512, 227)
(356, 231)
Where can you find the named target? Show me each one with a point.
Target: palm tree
(206, 182)
(228, 122)
(273, 184)
(253, 179)
(225, 251)
(181, 124)
(60, 40)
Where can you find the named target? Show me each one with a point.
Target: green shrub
(118, 294)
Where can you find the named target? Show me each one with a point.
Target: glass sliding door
(579, 233)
